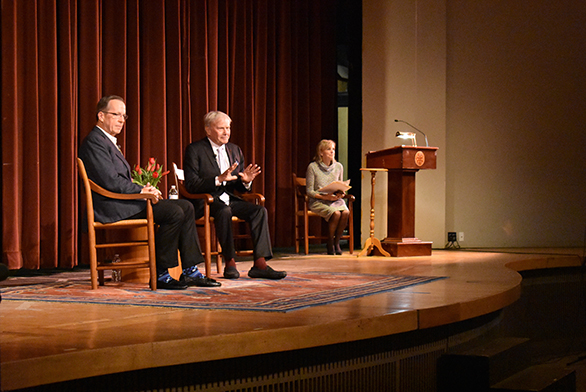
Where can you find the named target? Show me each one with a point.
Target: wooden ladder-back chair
(303, 213)
(207, 221)
(97, 267)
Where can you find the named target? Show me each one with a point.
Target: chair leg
(93, 259)
(217, 249)
(151, 251)
(94, 277)
(351, 241)
(219, 257)
(306, 230)
(296, 233)
(207, 249)
(351, 231)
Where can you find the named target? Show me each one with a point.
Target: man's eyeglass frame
(124, 116)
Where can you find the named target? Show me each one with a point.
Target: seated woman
(330, 206)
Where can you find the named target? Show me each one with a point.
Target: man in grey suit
(107, 167)
(214, 165)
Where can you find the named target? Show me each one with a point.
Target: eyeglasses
(124, 116)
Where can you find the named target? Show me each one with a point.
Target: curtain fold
(11, 210)
(67, 90)
(269, 64)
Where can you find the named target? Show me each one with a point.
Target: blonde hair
(321, 146)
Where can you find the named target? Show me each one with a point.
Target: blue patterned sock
(165, 277)
(192, 272)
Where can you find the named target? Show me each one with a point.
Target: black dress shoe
(268, 273)
(199, 282)
(231, 273)
(171, 284)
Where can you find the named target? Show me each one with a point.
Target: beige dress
(319, 175)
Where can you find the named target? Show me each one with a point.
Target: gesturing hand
(227, 175)
(249, 173)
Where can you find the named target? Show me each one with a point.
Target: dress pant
(176, 231)
(253, 214)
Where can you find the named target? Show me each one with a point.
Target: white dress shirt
(224, 163)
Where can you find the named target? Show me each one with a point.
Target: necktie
(224, 164)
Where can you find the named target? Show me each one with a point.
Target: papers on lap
(336, 186)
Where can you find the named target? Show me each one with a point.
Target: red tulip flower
(151, 174)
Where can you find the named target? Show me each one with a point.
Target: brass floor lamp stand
(372, 245)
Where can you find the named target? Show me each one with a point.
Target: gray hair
(212, 116)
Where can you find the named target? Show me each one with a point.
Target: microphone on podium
(418, 130)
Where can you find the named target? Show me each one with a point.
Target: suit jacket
(107, 167)
(201, 169)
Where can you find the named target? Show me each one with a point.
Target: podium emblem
(419, 158)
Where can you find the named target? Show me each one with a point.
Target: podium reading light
(407, 135)
(418, 130)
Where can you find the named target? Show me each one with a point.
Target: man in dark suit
(107, 167)
(215, 166)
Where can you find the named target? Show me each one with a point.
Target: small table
(372, 243)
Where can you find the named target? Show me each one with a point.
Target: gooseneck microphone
(418, 130)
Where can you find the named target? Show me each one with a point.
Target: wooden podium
(402, 163)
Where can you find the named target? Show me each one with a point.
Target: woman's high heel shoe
(337, 248)
(330, 247)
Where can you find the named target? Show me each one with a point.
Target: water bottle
(173, 194)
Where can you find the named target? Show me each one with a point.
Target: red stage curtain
(269, 64)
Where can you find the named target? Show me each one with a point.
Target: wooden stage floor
(44, 342)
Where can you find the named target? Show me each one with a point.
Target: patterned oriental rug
(297, 291)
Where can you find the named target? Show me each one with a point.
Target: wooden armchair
(97, 267)
(207, 221)
(302, 215)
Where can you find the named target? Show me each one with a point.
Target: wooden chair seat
(303, 214)
(97, 267)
